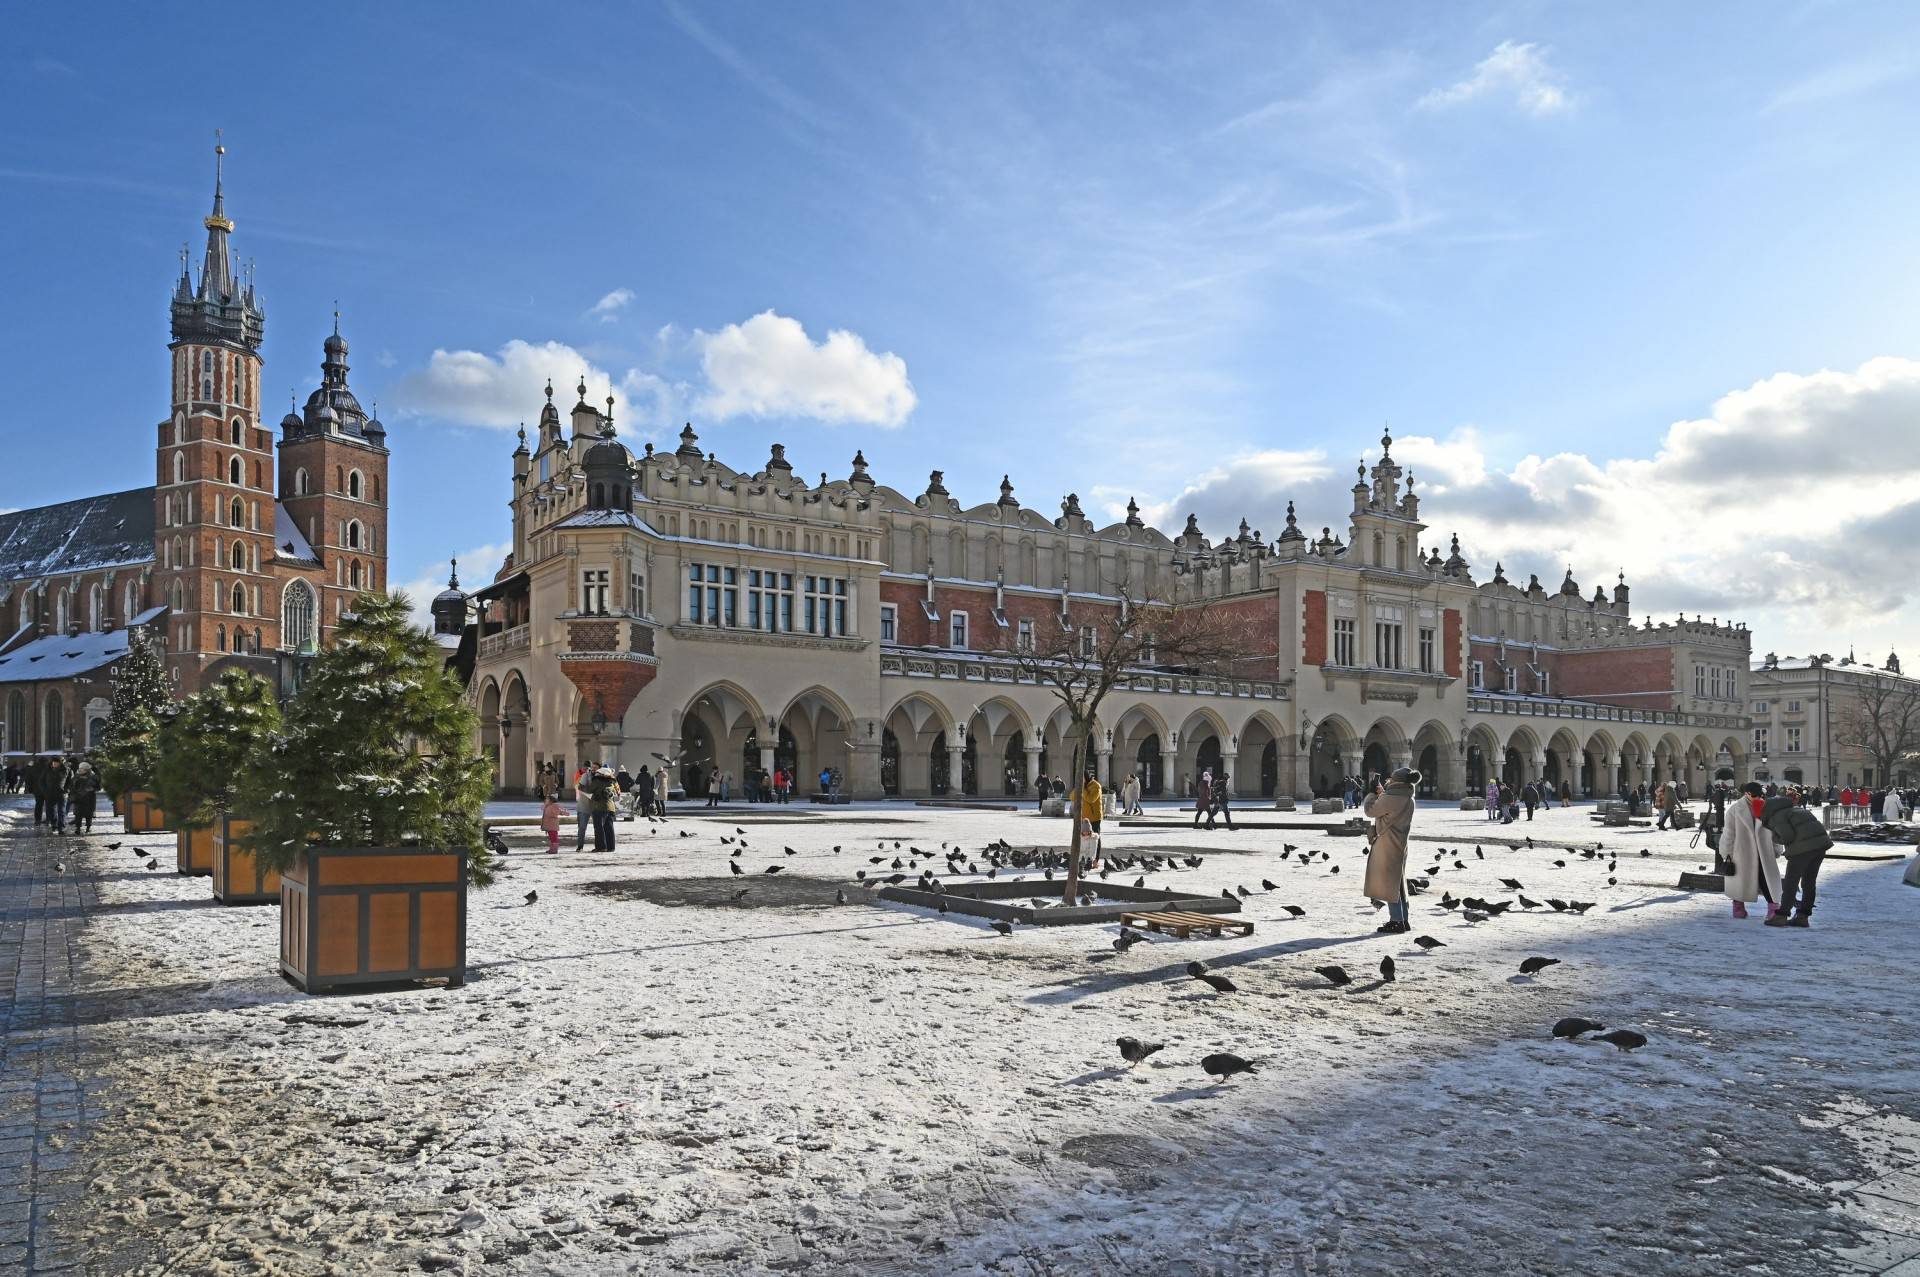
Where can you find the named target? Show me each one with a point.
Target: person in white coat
(1752, 853)
(1893, 810)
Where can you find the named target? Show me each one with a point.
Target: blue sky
(1613, 273)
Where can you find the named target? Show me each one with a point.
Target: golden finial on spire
(218, 219)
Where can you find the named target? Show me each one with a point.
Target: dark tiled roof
(75, 536)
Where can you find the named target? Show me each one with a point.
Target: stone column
(1033, 765)
(1451, 780)
(1608, 782)
(955, 760)
(1296, 774)
(766, 759)
(863, 768)
(1538, 766)
(1577, 772)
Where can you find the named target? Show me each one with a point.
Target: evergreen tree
(377, 750)
(129, 744)
(217, 737)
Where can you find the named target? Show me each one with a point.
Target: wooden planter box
(142, 814)
(238, 878)
(193, 849)
(373, 915)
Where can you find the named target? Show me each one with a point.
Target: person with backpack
(603, 791)
(1806, 844)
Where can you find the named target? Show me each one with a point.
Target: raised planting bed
(193, 850)
(373, 915)
(238, 878)
(141, 814)
(1008, 901)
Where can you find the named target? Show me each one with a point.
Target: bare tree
(1087, 649)
(1883, 723)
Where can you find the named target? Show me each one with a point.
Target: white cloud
(1518, 71)
(505, 389)
(1793, 505)
(768, 366)
(608, 308)
(477, 567)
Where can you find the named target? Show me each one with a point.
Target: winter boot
(1799, 920)
(1779, 920)
(1739, 909)
(1773, 907)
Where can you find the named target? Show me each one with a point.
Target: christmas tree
(217, 737)
(129, 745)
(377, 750)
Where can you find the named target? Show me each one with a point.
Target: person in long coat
(1752, 854)
(1390, 807)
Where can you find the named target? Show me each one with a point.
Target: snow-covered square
(647, 1072)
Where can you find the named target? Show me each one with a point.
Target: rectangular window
(1713, 683)
(1793, 739)
(1089, 637)
(1343, 637)
(1793, 707)
(889, 623)
(957, 630)
(593, 592)
(1760, 739)
(637, 594)
(1426, 650)
(695, 574)
(1699, 680)
(1759, 707)
(1386, 644)
(1546, 682)
(1026, 634)
(1479, 676)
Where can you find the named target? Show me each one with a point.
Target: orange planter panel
(237, 876)
(141, 814)
(193, 850)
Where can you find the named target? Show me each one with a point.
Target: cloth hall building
(243, 551)
(667, 606)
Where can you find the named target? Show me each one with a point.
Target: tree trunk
(1073, 810)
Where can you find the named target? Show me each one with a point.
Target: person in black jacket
(1806, 843)
(83, 787)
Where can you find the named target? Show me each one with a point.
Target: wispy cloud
(608, 308)
(1843, 80)
(754, 76)
(1519, 72)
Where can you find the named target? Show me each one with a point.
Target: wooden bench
(1182, 924)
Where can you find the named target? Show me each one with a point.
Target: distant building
(668, 606)
(244, 551)
(1802, 709)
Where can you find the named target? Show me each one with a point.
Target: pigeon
(1645, 852)
(1196, 969)
(1243, 892)
(1558, 906)
(1573, 1026)
(773, 869)
(152, 864)
(1140, 882)
(58, 867)
(1133, 1050)
(1224, 1064)
(113, 846)
(1004, 928)
(741, 894)
(1225, 894)
(1511, 884)
(790, 851)
(1559, 864)
(1474, 915)
(1579, 906)
(735, 868)
(1125, 940)
(1218, 983)
(1534, 966)
(1334, 870)
(1295, 910)
(533, 897)
(1336, 976)
(1479, 854)
(1428, 942)
(1267, 884)
(1528, 904)
(840, 896)
(1625, 1039)
(1386, 969)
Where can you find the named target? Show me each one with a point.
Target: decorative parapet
(1544, 707)
(506, 642)
(932, 665)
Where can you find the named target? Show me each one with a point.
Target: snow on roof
(602, 519)
(103, 531)
(149, 616)
(288, 541)
(60, 656)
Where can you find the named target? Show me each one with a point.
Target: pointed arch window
(93, 607)
(237, 436)
(239, 607)
(353, 574)
(296, 617)
(236, 473)
(301, 482)
(237, 514)
(179, 467)
(18, 722)
(220, 637)
(353, 483)
(60, 612)
(130, 604)
(353, 534)
(53, 722)
(237, 556)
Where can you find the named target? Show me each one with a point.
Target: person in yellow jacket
(1092, 807)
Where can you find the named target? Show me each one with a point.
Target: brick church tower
(213, 497)
(333, 486)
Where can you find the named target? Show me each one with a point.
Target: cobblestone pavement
(45, 1096)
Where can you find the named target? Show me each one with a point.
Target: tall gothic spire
(216, 273)
(221, 310)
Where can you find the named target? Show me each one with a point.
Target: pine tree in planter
(368, 803)
(218, 737)
(129, 745)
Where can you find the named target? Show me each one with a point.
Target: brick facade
(1313, 628)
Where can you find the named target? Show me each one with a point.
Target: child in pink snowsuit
(550, 821)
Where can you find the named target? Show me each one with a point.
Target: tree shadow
(1099, 982)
